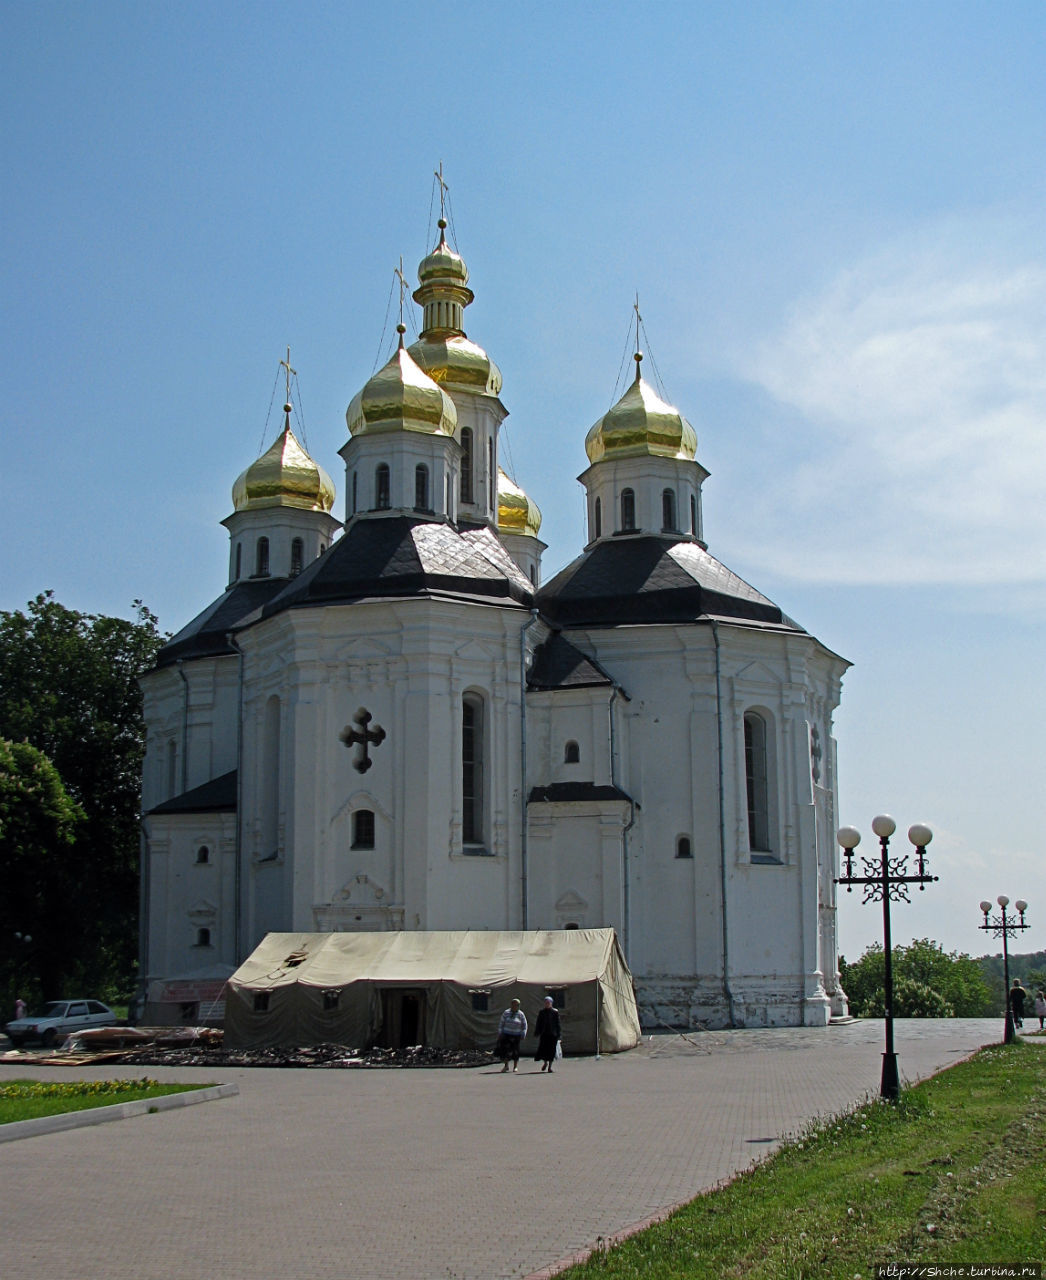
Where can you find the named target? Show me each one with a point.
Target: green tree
(955, 979)
(69, 687)
(38, 824)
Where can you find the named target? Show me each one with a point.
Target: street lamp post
(1002, 927)
(886, 879)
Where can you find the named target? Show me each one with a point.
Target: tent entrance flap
(402, 1017)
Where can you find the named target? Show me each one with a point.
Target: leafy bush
(911, 999)
(953, 979)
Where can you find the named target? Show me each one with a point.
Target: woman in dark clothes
(547, 1030)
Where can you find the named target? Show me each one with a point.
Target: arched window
(472, 752)
(203, 937)
(363, 829)
(382, 488)
(571, 753)
(628, 510)
(297, 557)
(491, 484)
(355, 492)
(261, 564)
(756, 782)
(693, 515)
(683, 847)
(421, 488)
(599, 518)
(466, 464)
(239, 561)
(668, 510)
(203, 855)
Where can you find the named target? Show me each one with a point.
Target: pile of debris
(316, 1055)
(204, 1047)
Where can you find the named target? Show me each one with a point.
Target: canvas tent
(441, 989)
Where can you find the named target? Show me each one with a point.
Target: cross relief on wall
(362, 737)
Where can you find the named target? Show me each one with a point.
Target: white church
(392, 722)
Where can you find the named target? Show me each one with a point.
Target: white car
(58, 1018)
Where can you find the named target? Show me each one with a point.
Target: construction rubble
(204, 1047)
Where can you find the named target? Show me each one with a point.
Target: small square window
(261, 1002)
(559, 997)
(331, 999)
(480, 1001)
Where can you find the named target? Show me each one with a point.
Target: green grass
(955, 1172)
(31, 1099)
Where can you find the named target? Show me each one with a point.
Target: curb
(119, 1111)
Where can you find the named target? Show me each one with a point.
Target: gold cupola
(284, 476)
(516, 512)
(641, 423)
(442, 350)
(402, 397)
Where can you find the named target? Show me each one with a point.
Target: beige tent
(440, 989)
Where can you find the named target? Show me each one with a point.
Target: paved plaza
(432, 1174)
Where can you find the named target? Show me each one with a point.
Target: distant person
(1040, 1006)
(547, 1030)
(511, 1030)
(21, 1009)
(1017, 998)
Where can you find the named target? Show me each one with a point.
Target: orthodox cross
(286, 364)
(362, 737)
(443, 189)
(639, 320)
(398, 273)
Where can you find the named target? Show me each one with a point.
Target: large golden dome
(641, 423)
(284, 476)
(516, 512)
(402, 397)
(443, 350)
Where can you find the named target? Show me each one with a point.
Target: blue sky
(833, 214)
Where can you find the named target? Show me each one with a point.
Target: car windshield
(53, 1009)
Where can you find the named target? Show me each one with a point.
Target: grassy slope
(954, 1173)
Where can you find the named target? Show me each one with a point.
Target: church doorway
(402, 1017)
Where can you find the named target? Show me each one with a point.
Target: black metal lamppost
(884, 879)
(1002, 927)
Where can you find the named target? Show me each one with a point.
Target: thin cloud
(919, 376)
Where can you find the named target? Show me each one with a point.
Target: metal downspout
(523, 848)
(728, 994)
(237, 927)
(626, 885)
(185, 726)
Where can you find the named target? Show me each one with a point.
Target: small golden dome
(402, 397)
(284, 476)
(516, 512)
(641, 423)
(443, 263)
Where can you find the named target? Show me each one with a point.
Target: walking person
(1040, 1006)
(1018, 995)
(547, 1030)
(511, 1030)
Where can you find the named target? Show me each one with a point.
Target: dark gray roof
(206, 636)
(559, 665)
(565, 792)
(400, 556)
(646, 579)
(210, 797)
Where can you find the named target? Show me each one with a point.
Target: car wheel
(49, 1037)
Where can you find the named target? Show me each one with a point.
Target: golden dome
(443, 350)
(641, 423)
(284, 476)
(454, 361)
(516, 512)
(402, 397)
